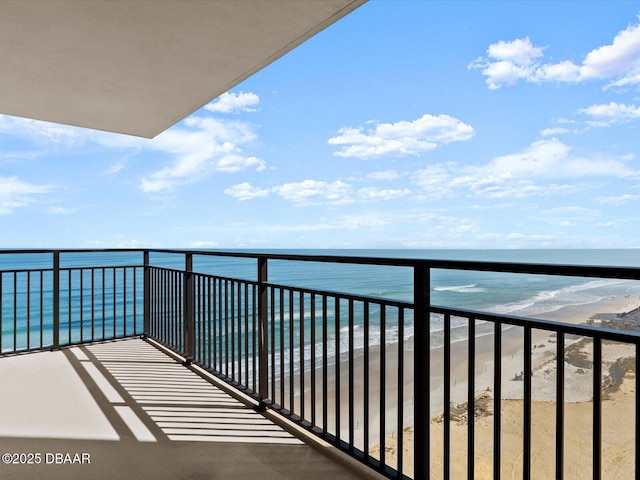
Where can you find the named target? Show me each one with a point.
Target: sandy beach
(618, 367)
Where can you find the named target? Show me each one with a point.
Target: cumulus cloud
(245, 191)
(537, 170)
(14, 193)
(620, 59)
(374, 193)
(507, 63)
(205, 146)
(401, 138)
(238, 163)
(313, 192)
(304, 193)
(609, 114)
(234, 103)
(196, 148)
(519, 51)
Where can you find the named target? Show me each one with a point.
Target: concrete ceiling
(139, 66)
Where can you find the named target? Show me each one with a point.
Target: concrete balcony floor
(128, 410)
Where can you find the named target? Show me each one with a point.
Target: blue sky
(407, 124)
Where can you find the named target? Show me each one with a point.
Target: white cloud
(518, 189)
(373, 193)
(115, 168)
(314, 192)
(14, 193)
(619, 199)
(521, 51)
(371, 220)
(40, 130)
(515, 175)
(198, 147)
(632, 78)
(508, 62)
(132, 243)
(572, 210)
(544, 168)
(619, 222)
(552, 158)
(633, 175)
(206, 146)
(568, 216)
(401, 138)
(384, 175)
(609, 114)
(61, 210)
(566, 71)
(437, 180)
(511, 62)
(359, 222)
(550, 132)
(202, 244)
(245, 191)
(305, 193)
(234, 103)
(237, 163)
(617, 60)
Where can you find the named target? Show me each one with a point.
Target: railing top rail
(11, 251)
(594, 271)
(589, 271)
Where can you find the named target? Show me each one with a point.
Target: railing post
(263, 352)
(189, 324)
(56, 301)
(146, 329)
(422, 366)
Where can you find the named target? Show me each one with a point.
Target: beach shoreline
(578, 402)
(578, 387)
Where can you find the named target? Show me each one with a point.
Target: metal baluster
(471, 386)
(497, 399)
(560, 406)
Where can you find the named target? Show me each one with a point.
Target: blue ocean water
(517, 294)
(523, 295)
(95, 303)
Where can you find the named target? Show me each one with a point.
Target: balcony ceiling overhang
(139, 66)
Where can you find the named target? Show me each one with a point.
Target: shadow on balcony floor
(125, 409)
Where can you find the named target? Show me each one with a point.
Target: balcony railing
(354, 369)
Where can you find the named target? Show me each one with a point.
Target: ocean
(517, 294)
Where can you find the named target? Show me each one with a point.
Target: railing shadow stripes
(183, 405)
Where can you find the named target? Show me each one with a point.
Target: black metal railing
(64, 304)
(353, 369)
